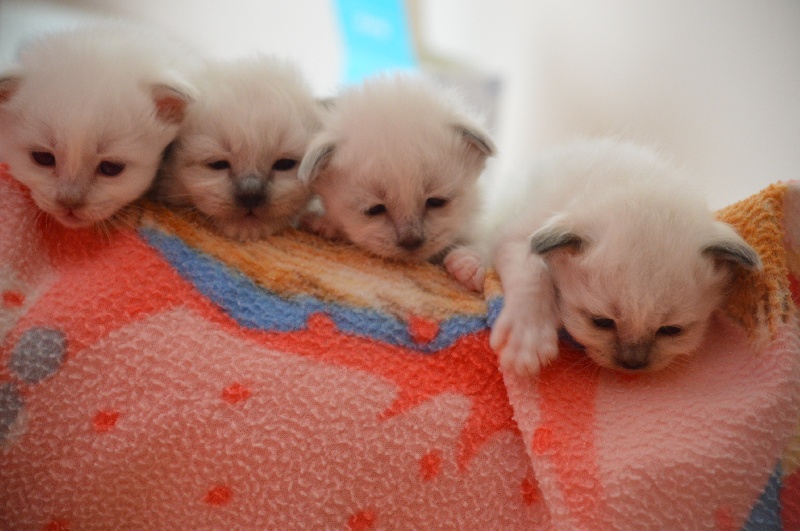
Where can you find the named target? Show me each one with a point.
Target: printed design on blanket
(163, 370)
(142, 361)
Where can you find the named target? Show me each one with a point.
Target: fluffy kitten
(604, 239)
(396, 166)
(238, 151)
(86, 115)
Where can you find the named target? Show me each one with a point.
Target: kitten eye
(43, 158)
(669, 331)
(604, 322)
(435, 202)
(219, 165)
(375, 210)
(110, 169)
(284, 164)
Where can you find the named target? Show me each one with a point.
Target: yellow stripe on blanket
(340, 273)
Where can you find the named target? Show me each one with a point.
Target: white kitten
(604, 239)
(86, 115)
(396, 166)
(237, 154)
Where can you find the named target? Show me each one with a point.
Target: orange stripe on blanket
(338, 273)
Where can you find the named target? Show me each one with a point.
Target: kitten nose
(251, 192)
(251, 200)
(71, 201)
(410, 242)
(634, 357)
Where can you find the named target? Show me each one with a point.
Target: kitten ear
(170, 103)
(554, 236)
(315, 160)
(9, 85)
(728, 246)
(476, 139)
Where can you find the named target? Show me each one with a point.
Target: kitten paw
(524, 343)
(321, 226)
(466, 266)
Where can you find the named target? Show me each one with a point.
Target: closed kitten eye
(110, 169)
(219, 165)
(435, 202)
(604, 323)
(43, 158)
(284, 164)
(669, 331)
(375, 210)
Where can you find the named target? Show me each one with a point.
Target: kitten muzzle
(634, 356)
(250, 192)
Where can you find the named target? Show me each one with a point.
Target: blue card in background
(376, 37)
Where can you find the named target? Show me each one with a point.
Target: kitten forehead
(250, 108)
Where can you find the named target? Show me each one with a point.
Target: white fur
(398, 142)
(640, 261)
(252, 113)
(87, 96)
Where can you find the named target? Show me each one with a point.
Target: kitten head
(237, 155)
(396, 166)
(85, 118)
(640, 275)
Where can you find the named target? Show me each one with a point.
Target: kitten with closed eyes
(605, 239)
(237, 154)
(396, 167)
(85, 117)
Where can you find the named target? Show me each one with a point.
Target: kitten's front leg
(466, 265)
(525, 334)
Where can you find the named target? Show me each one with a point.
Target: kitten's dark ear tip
(738, 253)
(554, 237)
(477, 139)
(9, 85)
(314, 161)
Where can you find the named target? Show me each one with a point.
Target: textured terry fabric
(162, 377)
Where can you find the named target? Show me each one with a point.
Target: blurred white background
(714, 83)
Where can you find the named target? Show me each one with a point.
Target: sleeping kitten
(396, 166)
(237, 154)
(603, 239)
(86, 116)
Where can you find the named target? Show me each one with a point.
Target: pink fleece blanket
(161, 377)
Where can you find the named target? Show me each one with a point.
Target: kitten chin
(395, 166)
(238, 152)
(86, 115)
(605, 239)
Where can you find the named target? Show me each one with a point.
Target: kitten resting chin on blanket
(396, 166)
(237, 154)
(86, 116)
(604, 239)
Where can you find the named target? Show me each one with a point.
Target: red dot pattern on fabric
(723, 519)
(13, 299)
(57, 525)
(542, 441)
(430, 465)
(422, 331)
(361, 521)
(530, 491)
(105, 421)
(218, 496)
(235, 393)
